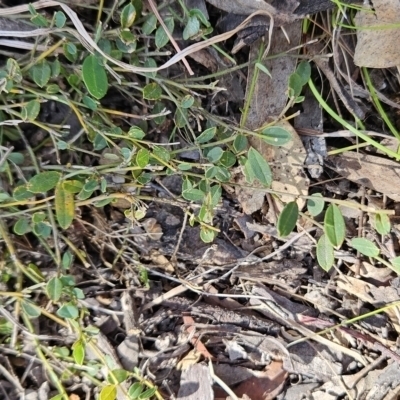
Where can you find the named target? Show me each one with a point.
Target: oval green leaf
(108, 392)
(142, 158)
(206, 135)
(334, 226)
(78, 352)
(65, 206)
(43, 182)
(40, 73)
(68, 310)
(325, 253)
(365, 247)
(315, 205)
(152, 91)
(382, 223)
(276, 135)
(256, 167)
(54, 288)
(193, 195)
(95, 77)
(287, 219)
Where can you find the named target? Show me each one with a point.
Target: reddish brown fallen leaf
(266, 385)
(198, 345)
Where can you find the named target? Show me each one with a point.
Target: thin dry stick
(160, 20)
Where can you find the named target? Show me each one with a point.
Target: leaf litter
(246, 315)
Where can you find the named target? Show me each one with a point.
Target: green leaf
(135, 390)
(181, 117)
(136, 133)
(187, 101)
(73, 186)
(295, 84)
(147, 394)
(206, 135)
(227, 159)
(30, 309)
(95, 77)
(185, 167)
(157, 109)
(54, 288)
(6, 327)
(215, 154)
(325, 253)
(382, 223)
(162, 153)
(207, 235)
(263, 68)
(276, 135)
(78, 352)
(195, 12)
(65, 206)
(192, 28)
(193, 194)
(334, 226)
(90, 103)
(108, 392)
(31, 110)
(118, 374)
(287, 219)
(149, 24)
(22, 193)
(67, 259)
(395, 265)
(161, 37)
(240, 143)
(128, 16)
(152, 91)
(40, 73)
(215, 195)
(60, 19)
(304, 71)
(42, 229)
(315, 205)
(43, 181)
(22, 226)
(365, 247)
(256, 167)
(142, 158)
(68, 311)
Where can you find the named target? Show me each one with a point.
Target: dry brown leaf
(265, 385)
(378, 44)
(379, 174)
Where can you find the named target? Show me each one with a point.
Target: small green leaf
(192, 28)
(185, 167)
(90, 103)
(228, 159)
(43, 181)
(256, 167)
(78, 352)
(40, 73)
(195, 12)
(149, 24)
(65, 206)
(135, 390)
(73, 186)
(142, 158)
(54, 288)
(162, 153)
(325, 253)
(95, 77)
(67, 259)
(276, 135)
(152, 91)
(187, 101)
(382, 223)
(161, 37)
(287, 219)
(181, 117)
(158, 108)
(396, 265)
(295, 84)
(334, 226)
(30, 309)
(315, 205)
(6, 327)
(136, 133)
(68, 311)
(128, 16)
(206, 135)
(108, 392)
(304, 71)
(22, 226)
(147, 394)
(215, 195)
(60, 19)
(365, 247)
(207, 235)
(263, 68)
(119, 375)
(240, 143)
(193, 194)
(215, 154)
(31, 110)
(22, 193)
